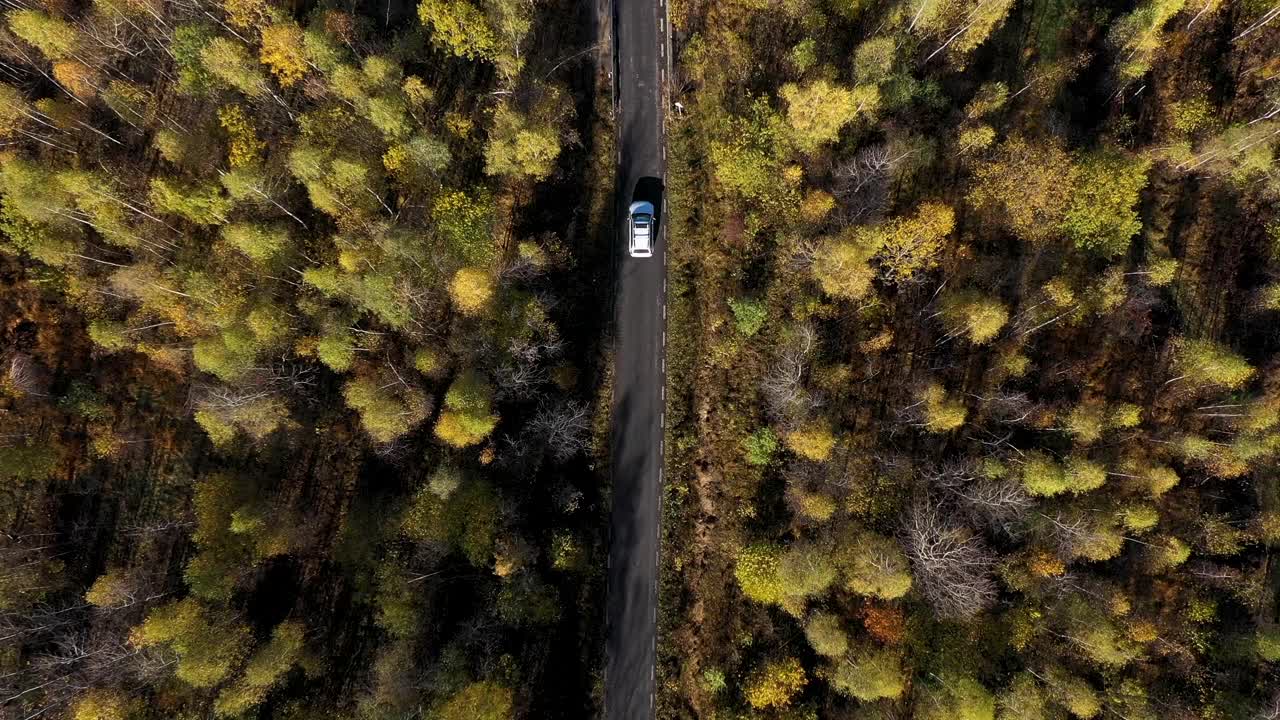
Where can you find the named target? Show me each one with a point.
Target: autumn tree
(806, 570)
(1026, 186)
(1022, 698)
(1101, 217)
(472, 290)
(775, 684)
(871, 564)
(748, 157)
(468, 415)
(230, 64)
(940, 412)
(479, 701)
(870, 674)
(102, 704)
(817, 111)
(756, 569)
(813, 441)
(53, 37)
(458, 27)
(1137, 36)
(387, 409)
(260, 243)
(283, 52)
(264, 669)
(973, 315)
(520, 146)
(954, 697)
(209, 644)
(905, 247)
(115, 588)
(1209, 364)
(842, 267)
(826, 634)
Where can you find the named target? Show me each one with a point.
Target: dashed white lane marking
(662, 421)
(664, 344)
(662, 24)
(664, 311)
(664, 366)
(662, 51)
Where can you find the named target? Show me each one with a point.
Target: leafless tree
(999, 504)
(867, 166)
(783, 386)
(563, 427)
(394, 451)
(1071, 530)
(530, 353)
(994, 504)
(1008, 408)
(76, 662)
(1248, 588)
(1269, 710)
(257, 384)
(952, 564)
(949, 476)
(27, 376)
(863, 182)
(31, 625)
(525, 267)
(518, 381)
(536, 348)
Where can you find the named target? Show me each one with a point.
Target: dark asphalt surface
(637, 448)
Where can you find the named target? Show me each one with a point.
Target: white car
(642, 230)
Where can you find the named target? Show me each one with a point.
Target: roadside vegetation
(299, 357)
(973, 407)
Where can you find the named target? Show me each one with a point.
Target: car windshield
(642, 220)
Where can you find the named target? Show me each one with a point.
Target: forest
(301, 345)
(973, 379)
(974, 405)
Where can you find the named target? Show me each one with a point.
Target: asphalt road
(640, 42)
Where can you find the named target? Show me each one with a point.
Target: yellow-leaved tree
(973, 315)
(100, 704)
(283, 52)
(471, 290)
(907, 246)
(468, 416)
(775, 684)
(1026, 186)
(817, 111)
